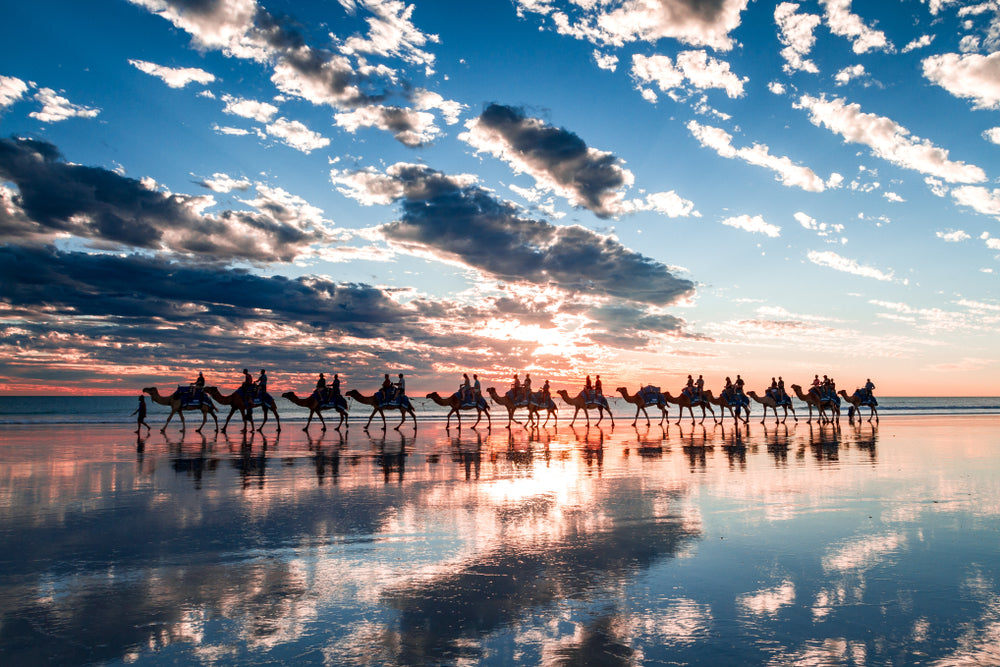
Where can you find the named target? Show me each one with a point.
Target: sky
(640, 189)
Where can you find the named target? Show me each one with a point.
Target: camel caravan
(391, 397)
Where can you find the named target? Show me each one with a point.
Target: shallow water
(797, 544)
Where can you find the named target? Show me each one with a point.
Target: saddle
(191, 397)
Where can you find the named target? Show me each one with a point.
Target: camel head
(623, 391)
(152, 391)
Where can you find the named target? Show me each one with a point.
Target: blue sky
(637, 189)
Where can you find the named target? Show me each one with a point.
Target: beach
(796, 543)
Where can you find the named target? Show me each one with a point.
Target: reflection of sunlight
(769, 600)
(979, 643)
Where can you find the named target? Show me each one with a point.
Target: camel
(455, 403)
(404, 406)
(536, 405)
(769, 402)
(580, 403)
(684, 401)
(317, 406)
(174, 401)
(236, 401)
(721, 402)
(641, 403)
(811, 399)
(506, 402)
(856, 402)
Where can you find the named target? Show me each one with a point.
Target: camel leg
(319, 413)
(308, 421)
(232, 410)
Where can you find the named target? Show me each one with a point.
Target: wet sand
(689, 544)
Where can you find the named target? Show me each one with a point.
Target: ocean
(118, 409)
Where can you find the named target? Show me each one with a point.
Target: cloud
(834, 261)
(980, 199)
(242, 29)
(789, 173)
(696, 67)
(821, 228)
(225, 183)
(847, 74)
(970, 76)
(56, 108)
(953, 236)
(887, 139)
(919, 43)
(796, 32)
(112, 211)
(12, 89)
(992, 135)
(753, 224)
(262, 112)
(617, 23)
(846, 24)
(556, 158)
(391, 33)
(606, 61)
(451, 219)
(297, 135)
(174, 77)
(409, 127)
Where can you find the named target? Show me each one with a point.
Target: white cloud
(834, 261)
(887, 139)
(844, 76)
(971, 76)
(953, 236)
(796, 33)
(981, 199)
(391, 33)
(225, 183)
(821, 228)
(991, 243)
(789, 173)
(56, 108)
(175, 77)
(919, 43)
(615, 24)
(842, 22)
(11, 90)
(262, 112)
(697, 67)
(776, 87)
(893, 197)
(755, 224)
(450, 109)
(992, 134)
(607, 61)
(297, 135)
(411, 128)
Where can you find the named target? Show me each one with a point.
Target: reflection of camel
(811, 400)
(684, 401)
(640, 403)
(769, 402)
(174, 401)
(456, 405)
(722, 403)
(580, 403)
(403, 406)
(505, 402)
(236, 402)
(316, 407)
(856, 403)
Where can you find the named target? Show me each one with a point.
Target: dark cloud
(112, 211)
(469, 223)
(593, 177)
(628, 326)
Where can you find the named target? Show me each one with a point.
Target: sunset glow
(619, 188)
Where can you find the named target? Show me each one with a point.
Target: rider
(782, 396)
(700, 387)
(262, 383)
(465, 389)
(598, 387)
(515, 388)
(321, 387)
(335, 386)
(868, 389)
(477, 390)
(588, 389)
(689, 388)
(400, 387)
(727, 391)
(526, 387)
(545, 393)
(247, 387)
(387, 389)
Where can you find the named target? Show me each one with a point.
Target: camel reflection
(390, 454)
(467, 452)
(824, 441)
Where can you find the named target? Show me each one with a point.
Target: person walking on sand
(141, 411)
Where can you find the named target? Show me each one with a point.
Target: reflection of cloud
(768, 601)
(865, 553)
